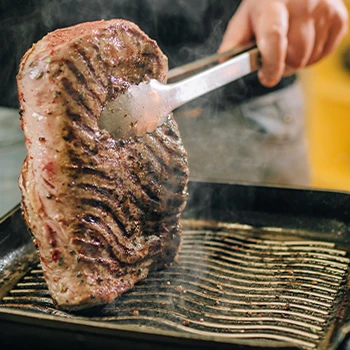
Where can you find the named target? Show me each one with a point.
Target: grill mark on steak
(81, 79)
(149, 183)
(109, 194)
(156, 163)
(90, 66)
(105, 207)
(141, 202)
(126, 205)
(83, 128)
(150, 188)
(97, 176)
(105, 233)
(98, 230)
(76, 95)
(81, 141)
(161, 148)
(105, 71)
(94, 243)
(80, 130)
(99, 190)
(151, 193)
(108, 263)
(149, 53)
(73, 116)
(133, 180)
(168, 139)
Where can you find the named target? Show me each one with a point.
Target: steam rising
(185, 29)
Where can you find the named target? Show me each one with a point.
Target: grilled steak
(103, 212)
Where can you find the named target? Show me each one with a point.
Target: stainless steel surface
(142, 108)
(192, 67)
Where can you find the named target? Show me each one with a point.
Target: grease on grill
(228, 282)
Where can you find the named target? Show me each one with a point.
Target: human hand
(290, 34)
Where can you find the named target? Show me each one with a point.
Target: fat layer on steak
(103, 212)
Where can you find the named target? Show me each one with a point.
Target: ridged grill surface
(230, 282)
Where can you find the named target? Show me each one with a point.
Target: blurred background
(327, 89)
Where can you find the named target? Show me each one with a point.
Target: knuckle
(277, 31)
(341, 25)
(344, 19)
(305, 8)
(338, 12)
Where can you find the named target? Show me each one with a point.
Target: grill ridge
(227, 282)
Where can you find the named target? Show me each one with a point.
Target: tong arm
(179, 73)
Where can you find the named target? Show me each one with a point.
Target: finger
(321, 36)
(336, 33)
(330, 21)
(301, 39)
(271, 28)
(238, 31)
(288, 71)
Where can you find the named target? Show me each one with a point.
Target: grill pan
(260, 267)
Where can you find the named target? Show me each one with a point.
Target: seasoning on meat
(103, 212)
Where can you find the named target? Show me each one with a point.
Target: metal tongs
(144, 107)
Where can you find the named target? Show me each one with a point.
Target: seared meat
(103, 212)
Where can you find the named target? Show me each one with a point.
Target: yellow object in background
(327, 88)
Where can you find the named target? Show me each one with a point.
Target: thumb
(239, 30)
